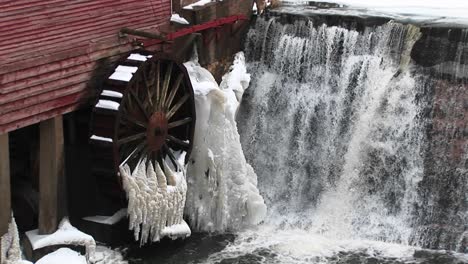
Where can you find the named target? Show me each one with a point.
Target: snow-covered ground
(423, 11)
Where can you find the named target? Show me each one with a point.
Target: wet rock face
(442, 216)
(439, 45)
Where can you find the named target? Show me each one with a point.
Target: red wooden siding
(49, 49)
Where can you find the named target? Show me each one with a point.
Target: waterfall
(335, 126)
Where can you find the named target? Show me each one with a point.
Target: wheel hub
(156, 132)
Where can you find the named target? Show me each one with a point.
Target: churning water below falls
(334, 124)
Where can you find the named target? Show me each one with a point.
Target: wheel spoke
(143, 153)
(167, 80)
(131, 138)
(158, 88)
(134, 121)
(174, 90)
(140, 105)
(179, 122)
(147, 81)
(137, 149)
(177, 106)
(171, 156)
(179, 142)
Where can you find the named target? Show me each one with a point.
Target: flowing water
(335, 125)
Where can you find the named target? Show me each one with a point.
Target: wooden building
(53, 52)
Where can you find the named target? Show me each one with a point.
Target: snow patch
(108, 220)
(137, 57)
(222, 193)
(121, 76)
(107, 104)
(61, 256)
(111, 93)
(123, 68)
(66, 234)
(197, 4)
(98, 138)
(176, 18)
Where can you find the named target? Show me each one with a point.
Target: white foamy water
(333, 125)
(267, 244)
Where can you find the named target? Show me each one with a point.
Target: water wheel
(145, 110)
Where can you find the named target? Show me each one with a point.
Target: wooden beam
(51, 174)
(145, 34)
(5, 202)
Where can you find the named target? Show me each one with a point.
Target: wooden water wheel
(146, 112)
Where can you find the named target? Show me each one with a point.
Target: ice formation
(156, 199)
(10, 243)
(222, 190)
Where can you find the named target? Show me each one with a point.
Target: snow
(156, 200)
(121, 76)
(111, 94)
(177, 230)
(61, 256)
(125, 73)
(98, 138)
(129, 69)
(197, 4)
(176, 18)
(222, 190)
(66, 234)
(107, 104)
(10, 245)
(108, 220)
(105, 255)
(138, 57)
(433, 11)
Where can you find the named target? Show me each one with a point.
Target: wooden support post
(5, 203)
(51, 174)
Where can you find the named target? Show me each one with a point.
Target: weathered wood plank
(5, 203)
(51, 173)
(39, 117)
